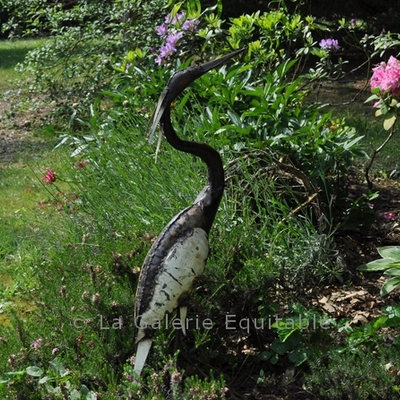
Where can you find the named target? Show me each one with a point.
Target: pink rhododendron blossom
(50, 176)
(386, 77)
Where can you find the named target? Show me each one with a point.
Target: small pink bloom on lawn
(50, 176)
(37, 344)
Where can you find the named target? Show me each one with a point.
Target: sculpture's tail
(141, 355)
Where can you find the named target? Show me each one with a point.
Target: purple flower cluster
(173, 29)
(329, 44)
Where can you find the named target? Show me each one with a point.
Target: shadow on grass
(14, 52)
(15, 150)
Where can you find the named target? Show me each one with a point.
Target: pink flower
(55, 351)
(37, 344)
(386, 77)
(82, 164)
(50, 176)
(388, 216)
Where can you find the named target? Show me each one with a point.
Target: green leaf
(389, 122)
(390, 285)
(44, 379)
(298, 357)
(234, 118)
(74, 395)
(91, 396)
(34, 371)
(389, 252)
(392, 311)
(394, 270)
(376, 265)
(265, 355)
(378, 323)
(279, 347)
(58, 367)
(4, 380)
(350, 144)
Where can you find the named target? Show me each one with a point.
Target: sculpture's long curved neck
(211, 196)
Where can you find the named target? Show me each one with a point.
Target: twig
(373, 155)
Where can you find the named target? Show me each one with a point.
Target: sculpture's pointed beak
(219, 61)
(179, 81)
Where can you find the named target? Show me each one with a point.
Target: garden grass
(28, 209)
(28, 215)
(13, 52)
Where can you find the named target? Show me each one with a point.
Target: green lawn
(13, 52)
(26, 205)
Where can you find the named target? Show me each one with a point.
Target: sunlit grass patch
(13, 52)
(32, 213)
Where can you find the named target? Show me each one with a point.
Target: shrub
(362, 375)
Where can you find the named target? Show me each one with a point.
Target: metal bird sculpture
(179, 254)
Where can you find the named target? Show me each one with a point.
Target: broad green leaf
(34, 371)
(390, 285)
(298, 357)
(377, 265)
(389, 122)
(393, 310)
(58, 367)
(44, 379)
(350, 144)
(4, 379)
(234, 118)
(265, 355)
(372, 97)
(389, 252)
(394, 270)
(279, 347)
(74, 395)
(91, 396)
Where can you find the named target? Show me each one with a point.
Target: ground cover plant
(281, 309)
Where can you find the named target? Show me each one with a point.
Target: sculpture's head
(182, 79)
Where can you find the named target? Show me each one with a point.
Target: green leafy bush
(357, 376)
(74, 63)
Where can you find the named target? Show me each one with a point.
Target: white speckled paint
(183, 264)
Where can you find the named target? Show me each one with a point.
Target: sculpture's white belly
(185, 261)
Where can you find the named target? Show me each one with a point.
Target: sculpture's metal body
(179, 254)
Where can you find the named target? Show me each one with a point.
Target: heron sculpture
(179, 254)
